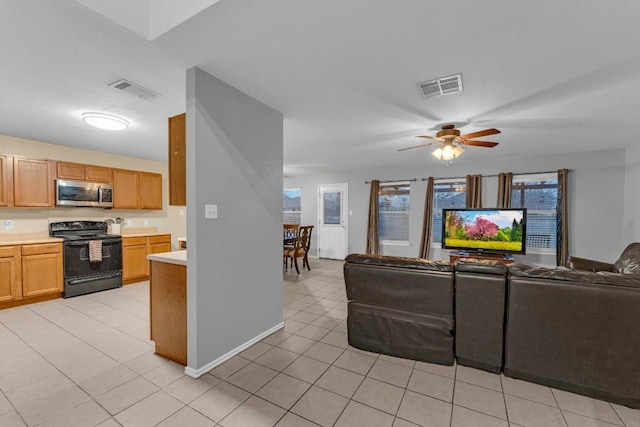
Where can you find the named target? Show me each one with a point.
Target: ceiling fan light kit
(450, 142)
(447, 152)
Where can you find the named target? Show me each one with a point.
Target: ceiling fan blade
(478, 143)
(427, 137)
(478, 134)
(421, 145)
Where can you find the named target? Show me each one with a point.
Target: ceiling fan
(451, 142)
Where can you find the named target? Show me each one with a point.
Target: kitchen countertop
(7, 239)
(141, 232)
(175, 257)
(144, 234)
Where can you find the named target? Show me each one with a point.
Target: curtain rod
(395, 180)
(495, 175)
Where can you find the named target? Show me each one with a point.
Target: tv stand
(505, 258)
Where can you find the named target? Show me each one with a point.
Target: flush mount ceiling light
(105, 121)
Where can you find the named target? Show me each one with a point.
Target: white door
(332, 221)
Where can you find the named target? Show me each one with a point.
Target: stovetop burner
(79, 230)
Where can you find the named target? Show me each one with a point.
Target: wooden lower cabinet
(10, 281)
(30, 273)
(168, 300)
(159, 244)
(41, 269)
(135, 266)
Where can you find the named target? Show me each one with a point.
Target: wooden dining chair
(300, 249)
(290, 231)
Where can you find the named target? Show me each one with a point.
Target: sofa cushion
(629, 261)
(483, 266)
(417, 290)
(396, 261)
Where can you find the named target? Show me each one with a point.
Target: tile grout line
(64, 374)
(559, 408)
(13, 406)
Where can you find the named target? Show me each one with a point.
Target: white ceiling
(554, 76)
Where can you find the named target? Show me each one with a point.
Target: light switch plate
(8, 224)
(210, 211)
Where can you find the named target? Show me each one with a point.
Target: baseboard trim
(196, 373)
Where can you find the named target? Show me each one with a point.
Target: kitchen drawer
(43, 248)
(133, 241)
(165, 238)
(7, 251)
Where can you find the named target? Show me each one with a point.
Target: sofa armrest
(585, 264)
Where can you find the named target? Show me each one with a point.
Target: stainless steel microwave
(83, 193)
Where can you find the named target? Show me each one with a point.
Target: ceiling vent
(135, 89)
(442, 86)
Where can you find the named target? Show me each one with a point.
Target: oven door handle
(86, 242)
(94, 278)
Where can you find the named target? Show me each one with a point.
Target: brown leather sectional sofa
(400, 306)
(576, 331)
(569, 329)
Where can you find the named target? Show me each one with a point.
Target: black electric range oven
(82, 275)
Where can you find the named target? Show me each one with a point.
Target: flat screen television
(501, 231)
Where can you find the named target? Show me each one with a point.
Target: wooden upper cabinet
(66, 170)
(97, 173)
(32, 183)
(125, 189)
(177, 160)
(150, 191)
(6, 181)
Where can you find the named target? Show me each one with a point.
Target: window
(393, 213)
(539, 194)
(446, 195)
(292, 208)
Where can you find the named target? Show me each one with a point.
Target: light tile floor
(87, 361)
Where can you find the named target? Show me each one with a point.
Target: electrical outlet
(211, 211)
(8, 224)
(181, 212)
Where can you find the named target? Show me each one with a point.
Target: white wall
(234, 270)
(596, 202)
(169, 219)
(631, 222)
